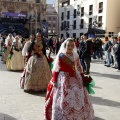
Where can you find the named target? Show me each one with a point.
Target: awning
(96, 31)
(10, 14)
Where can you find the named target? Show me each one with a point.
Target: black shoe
(108, 66)
(105, 65)
(87, 73)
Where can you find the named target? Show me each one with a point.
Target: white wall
(85, 4)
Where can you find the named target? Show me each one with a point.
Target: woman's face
(10, 35)
(69, 46)
(16, 39)
(38, 37)
(37, 49)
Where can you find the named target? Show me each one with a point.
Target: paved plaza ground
(15, 104)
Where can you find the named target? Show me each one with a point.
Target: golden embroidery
(68, 62)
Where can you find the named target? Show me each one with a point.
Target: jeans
(87, 62)
(107, 56)
(99, 53)
(83, 64)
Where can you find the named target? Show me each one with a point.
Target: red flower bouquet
(89, 83)
(5, 47)
(50, 60)
(10, 55)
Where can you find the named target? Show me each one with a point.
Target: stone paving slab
(18, 105)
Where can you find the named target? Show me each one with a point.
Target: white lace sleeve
(25, 49)
(56, 65)
(79, 66)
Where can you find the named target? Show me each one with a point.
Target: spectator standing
(107, 49)
(57, 46)
(113, 50)
(87, 52)
(117, 53)
(81, 51)
(50, 43)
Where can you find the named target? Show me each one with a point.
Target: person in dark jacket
(81, 51)
(50, 43)
(44, 45)
(87, 52)
(117, 53)
(57, 46)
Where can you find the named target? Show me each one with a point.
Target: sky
(50, 1)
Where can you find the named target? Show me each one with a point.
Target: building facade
(77, 16)
(52, 19)
(29, 12)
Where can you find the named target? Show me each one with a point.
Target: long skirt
(16, 62)
(69, 100)
(37, 74)
(6, 53)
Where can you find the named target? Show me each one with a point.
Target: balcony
(100, 10)
(100, 24)
(90, 12)
(82, 14)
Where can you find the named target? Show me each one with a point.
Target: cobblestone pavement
(18, 105)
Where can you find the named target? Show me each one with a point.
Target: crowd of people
(66, 97)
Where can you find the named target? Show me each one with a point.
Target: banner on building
(44, 29)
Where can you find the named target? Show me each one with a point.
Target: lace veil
(7, 39)
(63, 50)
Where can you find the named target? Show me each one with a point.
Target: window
(62, 16)
(100, 21)
(68, 14)
(54, 25)
(66, 3)
(74, 35)
(49, 31)
(90, 22)
(49, 18)
(111, 34)
(62, 26)
(100, 10)
(74, 24)
(49, 25)
(54, 19)
(82, 11)
(81, 34)
(37, 1)
(67, 34)
(82, 23)
(62, 36)
(68, 24)
(90, 9)
(74, 13)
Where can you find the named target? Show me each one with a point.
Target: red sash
(66, 64)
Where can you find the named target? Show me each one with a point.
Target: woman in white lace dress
(67, 98)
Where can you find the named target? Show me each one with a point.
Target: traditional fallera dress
(69, 100)
(37, 73)
(8, 44)
(15, 60)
